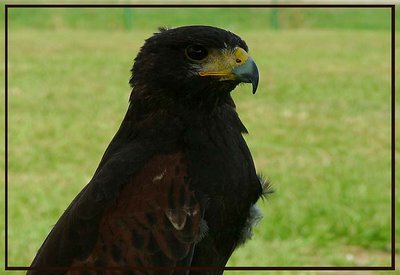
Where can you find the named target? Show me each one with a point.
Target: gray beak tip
(254, 83)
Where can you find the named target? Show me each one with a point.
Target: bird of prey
(176, 189)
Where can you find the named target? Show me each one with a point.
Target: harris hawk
(177, 186)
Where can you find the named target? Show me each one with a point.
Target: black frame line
(6, 137)
(393, 139)
(197, 6)
(266, 268)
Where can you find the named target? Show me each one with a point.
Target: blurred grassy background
(233, 18)
(319, 124)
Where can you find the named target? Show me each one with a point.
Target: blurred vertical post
(274, 16)
(128, 14)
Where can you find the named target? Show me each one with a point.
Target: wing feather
(150, 217)
(155, 220)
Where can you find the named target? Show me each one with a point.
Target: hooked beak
(248, 73)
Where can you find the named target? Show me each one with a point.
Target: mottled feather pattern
(156, 215)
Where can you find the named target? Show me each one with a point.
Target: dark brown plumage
(177, 186)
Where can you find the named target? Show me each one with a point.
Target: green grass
(319, 130)
(234, 18)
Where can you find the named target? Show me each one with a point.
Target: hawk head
(192, 65)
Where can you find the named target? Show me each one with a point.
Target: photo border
(393, 199)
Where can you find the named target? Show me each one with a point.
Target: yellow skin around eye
(221, 63)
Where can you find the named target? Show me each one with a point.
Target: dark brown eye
(196, 52)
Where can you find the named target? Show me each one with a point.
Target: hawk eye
(196, 52)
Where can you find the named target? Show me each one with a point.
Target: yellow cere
(221, 63)
(240, 55)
